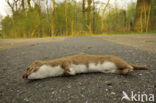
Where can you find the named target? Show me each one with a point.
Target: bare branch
(11, 6)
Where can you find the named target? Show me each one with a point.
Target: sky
(5, 10)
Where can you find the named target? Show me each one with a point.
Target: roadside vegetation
(48, 18)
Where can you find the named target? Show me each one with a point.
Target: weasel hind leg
(71, 71)
(128, 69)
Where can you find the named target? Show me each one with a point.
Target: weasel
(72, 65)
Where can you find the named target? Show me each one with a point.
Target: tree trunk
(34, 30)
(153, 16)
(103, 15)
(83, 7)
(93, 28)
(28, 2)
(84, 10)
(23, 6)
(66, 19)
(72, 27)
(89, 23)
(143, 12)
(53, 20)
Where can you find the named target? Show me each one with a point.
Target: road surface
(82, 88)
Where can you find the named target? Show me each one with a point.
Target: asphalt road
(82, 88)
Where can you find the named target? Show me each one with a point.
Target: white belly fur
(46, 71)
(106, 67)
(49, 71)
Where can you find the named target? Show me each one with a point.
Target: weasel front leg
(68, 69)
(71, 72)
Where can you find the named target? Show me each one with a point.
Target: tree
(42, 18)
(153, 16)
(53, 20)
(13, 6)
(143, 12)
(29, 4)
(89, 23)
(83, 7)
(23, 6)
(130, 16)
(66, 19)
(103, 15)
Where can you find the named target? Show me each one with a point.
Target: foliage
(153, 16)
(67, 18)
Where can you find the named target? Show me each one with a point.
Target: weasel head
(32, 69)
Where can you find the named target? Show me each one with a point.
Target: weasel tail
(139, 67)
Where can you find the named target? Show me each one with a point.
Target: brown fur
(123, 66)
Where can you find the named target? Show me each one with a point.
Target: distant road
(11, 43)
(142, 41)
(83, 88)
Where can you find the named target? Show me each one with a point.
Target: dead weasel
(79, 64)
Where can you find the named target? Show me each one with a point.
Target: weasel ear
(38, 63)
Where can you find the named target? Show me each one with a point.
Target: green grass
(154, 31)
(122, 33)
